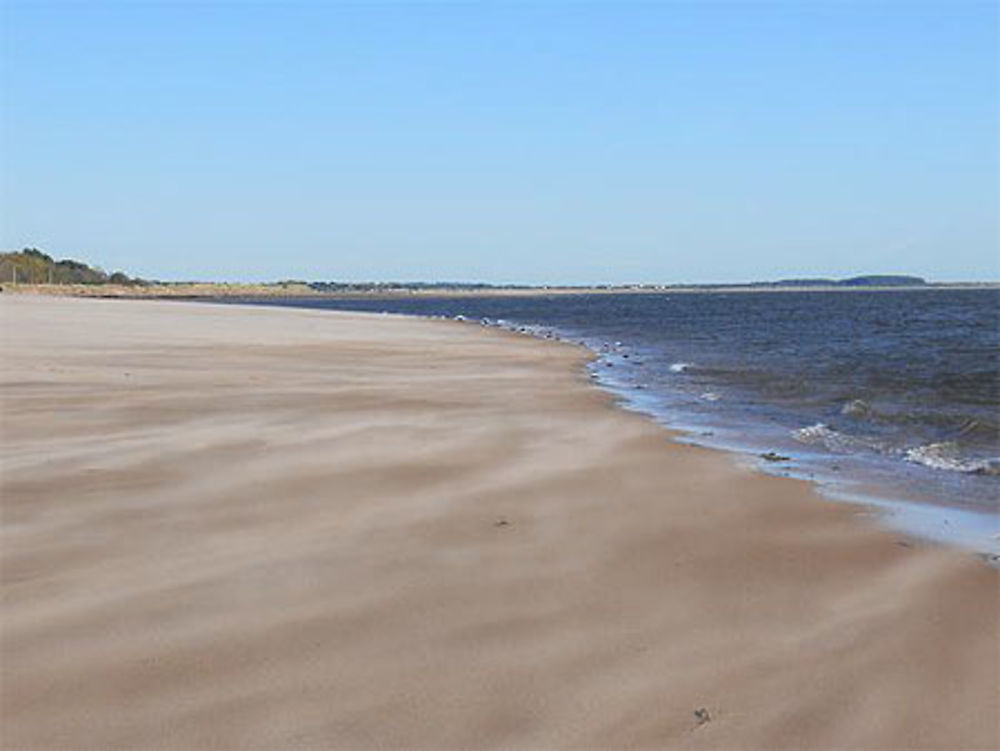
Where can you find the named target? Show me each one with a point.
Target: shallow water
(889, 395)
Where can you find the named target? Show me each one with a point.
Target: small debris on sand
(701, 716)
(501, 522)
(772, 456)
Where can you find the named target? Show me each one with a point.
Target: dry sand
(229, 527)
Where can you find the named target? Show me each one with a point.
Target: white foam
(857, 408)
(822, 434)
(946, 456)
(818, 433)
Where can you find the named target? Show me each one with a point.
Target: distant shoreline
(209, 290)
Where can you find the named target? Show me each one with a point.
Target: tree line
(32, 266)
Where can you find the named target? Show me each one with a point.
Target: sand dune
(233, 527)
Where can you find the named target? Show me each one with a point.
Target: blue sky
(528, 142)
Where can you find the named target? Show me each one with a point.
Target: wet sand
(245, 527)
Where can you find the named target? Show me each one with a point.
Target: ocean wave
(823, 435)
(949, 424)
(980, 430)
(946, 456)
(857, 408)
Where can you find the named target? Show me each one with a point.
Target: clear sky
(520, 141)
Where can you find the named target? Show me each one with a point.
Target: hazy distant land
(33, 271)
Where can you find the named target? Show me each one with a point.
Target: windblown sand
(232, 527)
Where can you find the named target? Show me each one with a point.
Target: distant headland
(33, 271)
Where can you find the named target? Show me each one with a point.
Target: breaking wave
(823, 435)
(946, 456)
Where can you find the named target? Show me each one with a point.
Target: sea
(887, 398)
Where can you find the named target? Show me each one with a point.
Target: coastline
(305, 528)
(931, 499)
(924, 518)
(207, 291)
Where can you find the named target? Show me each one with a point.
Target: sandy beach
(247, 527)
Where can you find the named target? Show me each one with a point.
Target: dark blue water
(891, 395)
